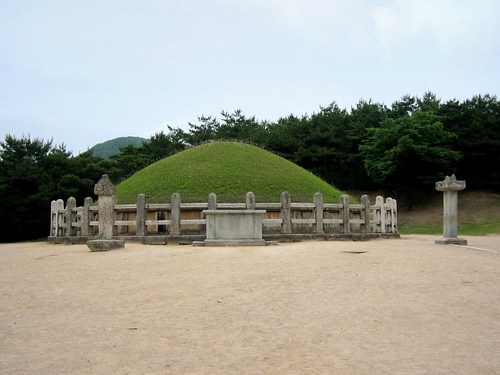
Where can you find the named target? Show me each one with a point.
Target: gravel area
(398, 306)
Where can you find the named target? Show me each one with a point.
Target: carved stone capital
(104, 186)
(450, 183)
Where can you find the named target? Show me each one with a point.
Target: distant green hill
(112, 147)
(228, 169)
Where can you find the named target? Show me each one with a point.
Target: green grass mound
(228, 169)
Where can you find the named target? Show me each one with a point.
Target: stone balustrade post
(85, 229)
(141, 216)
(250, 201)
(212, 201)
(70, 217)
(365, 201)
(318, 213)
(380, 214)
(175, 219)
(286, 213)
(56, 218)
(346, 214)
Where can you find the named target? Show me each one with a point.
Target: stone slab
(235, 242)
(234, 227)
(105, 245)
(250, 242)
(451, 241)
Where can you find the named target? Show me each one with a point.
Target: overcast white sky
(86, 71)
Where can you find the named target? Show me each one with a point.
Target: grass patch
(479, 229)
(466, 229)
(228, 169)
(420, 229)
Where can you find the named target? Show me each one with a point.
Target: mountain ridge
(112, 147)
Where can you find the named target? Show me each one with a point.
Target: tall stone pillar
(450, 188)
(105, 190)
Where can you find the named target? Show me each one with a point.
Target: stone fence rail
(177, 222)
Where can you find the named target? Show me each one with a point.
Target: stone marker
(105, 190)
(450, 187)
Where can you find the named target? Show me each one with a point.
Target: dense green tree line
(33, 172)
(399, 148)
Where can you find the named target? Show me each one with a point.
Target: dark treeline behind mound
(398, 149)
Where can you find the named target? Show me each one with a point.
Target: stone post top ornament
(104, 186)
(450, 184)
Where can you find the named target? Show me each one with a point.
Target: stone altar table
(234, 227)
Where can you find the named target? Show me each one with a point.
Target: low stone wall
(177, 222)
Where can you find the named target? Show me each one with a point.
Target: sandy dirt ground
(405, 306)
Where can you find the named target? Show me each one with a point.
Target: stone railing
(177, 222)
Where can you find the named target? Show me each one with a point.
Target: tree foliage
(26, 184)
(476, 122)
(410, 152)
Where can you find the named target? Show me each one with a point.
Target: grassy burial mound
(228, 169)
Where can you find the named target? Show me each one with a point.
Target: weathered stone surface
(175, 220)
(142, 215)
(107, 200)
(451, 241)
(250, 201)
(104, 186)
(107, 216)
(234, 227)
(450, 187)
(105, 245)
(283, 221)
(212, 201)
(241, 242)
(450, 183)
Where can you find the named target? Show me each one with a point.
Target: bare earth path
(403, 306)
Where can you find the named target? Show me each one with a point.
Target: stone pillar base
(238, 242)
(451, 241)
(105, 245)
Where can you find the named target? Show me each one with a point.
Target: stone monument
(105, 190)
(450, 188)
